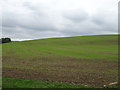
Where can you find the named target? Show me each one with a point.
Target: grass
(87, 60)
(20, 83)
(0, 82)
(78, 47)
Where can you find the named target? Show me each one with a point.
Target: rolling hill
(84, 60)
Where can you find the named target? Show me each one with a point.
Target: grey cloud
(76, 15)
(101, 18)
(107, 20)
(28, 5)
(38, 10)
(27, 20)
(9, 19)
(99, 23)
(28, 34)
(32, 21)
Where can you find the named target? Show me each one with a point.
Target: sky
(36, 19)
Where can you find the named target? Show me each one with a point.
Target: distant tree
(5, 40)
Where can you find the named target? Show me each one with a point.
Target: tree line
(5, 40)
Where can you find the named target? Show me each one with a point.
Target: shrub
(5, 40)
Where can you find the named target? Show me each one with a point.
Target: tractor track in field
(90, 79)
(91, 72)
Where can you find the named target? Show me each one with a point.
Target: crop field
(82, 60)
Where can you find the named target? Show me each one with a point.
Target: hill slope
(103, 46)
(90, 60)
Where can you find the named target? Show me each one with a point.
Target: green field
(21, 83)
(83, 60)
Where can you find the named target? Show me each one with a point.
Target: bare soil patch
(89, 72)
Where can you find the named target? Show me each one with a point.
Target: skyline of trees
(5, 40)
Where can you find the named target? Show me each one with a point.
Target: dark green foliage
(5, 40)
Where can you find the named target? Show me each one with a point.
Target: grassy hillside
(104, 46)
(90, 60)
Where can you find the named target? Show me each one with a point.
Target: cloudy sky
(35, 19)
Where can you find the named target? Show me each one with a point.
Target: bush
(5, 40)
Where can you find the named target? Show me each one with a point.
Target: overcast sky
(35, 19)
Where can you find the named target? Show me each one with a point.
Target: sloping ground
(85, 60)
